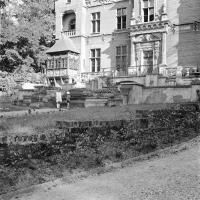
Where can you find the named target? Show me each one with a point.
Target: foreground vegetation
(85, 161)
(89, 150)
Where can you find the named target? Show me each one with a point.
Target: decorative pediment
(147, 38)
(100, 2)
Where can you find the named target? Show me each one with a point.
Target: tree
(27, 32)
(3, 3)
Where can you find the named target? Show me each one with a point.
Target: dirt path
(172, 177)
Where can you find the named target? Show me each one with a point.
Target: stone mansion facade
(124, 38)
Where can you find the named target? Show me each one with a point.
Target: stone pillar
(133, 64)
(133, 20)
(165, 6)
(156, 9)
(164, 48)
(133, 69)
(164, 11)
(156, 57)
(59, 22)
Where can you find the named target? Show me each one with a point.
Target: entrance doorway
(148, 61)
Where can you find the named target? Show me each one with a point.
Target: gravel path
(25, 112)
(171, 177)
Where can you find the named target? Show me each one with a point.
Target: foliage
(3, 3)
(87, 148)
(27, 31)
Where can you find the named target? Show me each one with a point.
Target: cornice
(93, 3)
(150, 27)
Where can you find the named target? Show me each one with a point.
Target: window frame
(120, 56)
(95, 60)
(121, 18)
(148, 9)
(96, 22)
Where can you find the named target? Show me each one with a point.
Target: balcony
(69, 33)
(137, 71)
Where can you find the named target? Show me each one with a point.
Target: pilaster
(133, 63)
(164, 11)
(164, 48)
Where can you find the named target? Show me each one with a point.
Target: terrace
(143, 70)
(114, 72)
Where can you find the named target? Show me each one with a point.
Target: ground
(171, 174)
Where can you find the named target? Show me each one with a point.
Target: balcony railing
(69, 33)
(141, 70)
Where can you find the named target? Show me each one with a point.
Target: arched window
(72, 24)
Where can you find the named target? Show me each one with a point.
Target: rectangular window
(95, 60)
(121, 58)
(121, 18)
(148, 10)
(96, 22)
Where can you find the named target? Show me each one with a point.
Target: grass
(30, 124)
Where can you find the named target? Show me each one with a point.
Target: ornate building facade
(125, 38)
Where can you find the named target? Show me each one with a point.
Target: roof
(63, 44)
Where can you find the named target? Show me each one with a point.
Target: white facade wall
(85, 40)
(182, 47)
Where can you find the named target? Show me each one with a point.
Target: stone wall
(139, 94)
(146, 129)
(35, 98)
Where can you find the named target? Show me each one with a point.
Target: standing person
(58, 98)
(68, 99)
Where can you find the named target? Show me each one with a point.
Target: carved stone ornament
(133, 13)
(104, 1)
(147, 38)
(139, 19)
(157, 49)
(88, 2)
(138, 51)
(97, 2)
(156, 26)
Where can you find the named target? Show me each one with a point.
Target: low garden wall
(139, 94)
(144, 132)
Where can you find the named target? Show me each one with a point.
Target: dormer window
(72, 24)
(148, 10)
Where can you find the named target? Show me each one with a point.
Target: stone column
(132, 69)
(156, 11)
(164, 11)
(61, 24)
(133, 20)
(156, 56)
(164, 48)
(165, 6)
(133, 52)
